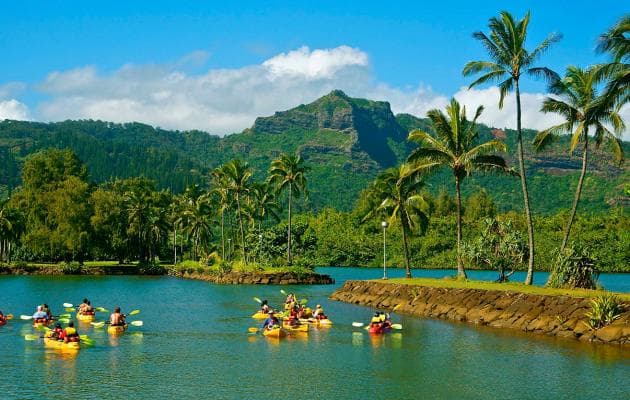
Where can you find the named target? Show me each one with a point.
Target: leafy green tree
(221, 193)
(288, 172)
(444, 204)
(54, 201)
(616, 40)
(454, 143)
(11, 228)
(196, 221)
(509, 60)
(396, 196)
(577, 101)
(237, 175)
(479, 205)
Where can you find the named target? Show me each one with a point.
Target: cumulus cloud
(13, 109)
(228, 100)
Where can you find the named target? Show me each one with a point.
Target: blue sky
(64, 59)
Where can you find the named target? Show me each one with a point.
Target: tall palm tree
(221, 191)
(395, 194)
(197, 222)
(616, 41)
(582, 108)
(263, 203)
(509, 60)
(237, 175)
(288, 172)
(453, 142)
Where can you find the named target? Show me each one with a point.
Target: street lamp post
(384, 225)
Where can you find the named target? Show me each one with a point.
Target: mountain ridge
(345, 140)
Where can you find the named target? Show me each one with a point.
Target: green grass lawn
(508, 287)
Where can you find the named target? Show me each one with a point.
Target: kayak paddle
(9, 316)
(396, 307)
(283, 292)
(68, 305)
(257, 300)
(31, 337)
(358, 324)
(396, 326)
(101, 309)
(26, 317)
(134, 312)
(253, 330)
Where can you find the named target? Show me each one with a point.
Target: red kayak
(379, 329)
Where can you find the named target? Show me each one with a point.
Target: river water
(194, 344)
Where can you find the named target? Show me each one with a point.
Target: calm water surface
(194, 345)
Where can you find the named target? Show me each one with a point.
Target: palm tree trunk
(406, 250)
(240, 223)
(521, 165)
(289, 258)
(578, 192)
(222, 236)
(460, 266)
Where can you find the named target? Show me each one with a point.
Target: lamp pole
(384, 225)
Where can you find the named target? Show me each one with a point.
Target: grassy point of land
(506, 287)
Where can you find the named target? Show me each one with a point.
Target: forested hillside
(345, 141)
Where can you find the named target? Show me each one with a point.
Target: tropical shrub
(71, 268)
(574, 268)
(499, 246)
(604, 310)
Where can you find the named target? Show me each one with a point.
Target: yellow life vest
(376, 320)
(70, 331)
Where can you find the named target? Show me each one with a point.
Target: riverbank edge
(229, 278)
(559, 316)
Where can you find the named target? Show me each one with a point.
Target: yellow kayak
(260, 315)
(318, 322)
(61, 345)
(85, 317)
(276, 333)
(40, 324)
(303, 328)
(116, 329)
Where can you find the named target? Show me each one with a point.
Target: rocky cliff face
(368, 123)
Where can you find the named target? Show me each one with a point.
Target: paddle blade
(68, 305)
(134, 312)
(26, 317)
(31, 337)
(283, 292)
(396, 326)
(85, 339)
(396, 307)
(98, 324)
(9, 316)
(357, 324)
(42, 328)
(137, 323)
(101, 309)
(70, 309)
(63, 320)
(303, 301)
(257, 300)
(252, 330)
(64, 316)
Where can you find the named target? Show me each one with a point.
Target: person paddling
(319, 312)
(3, 318)
(56, 332)
(117, 318)
(40, 315)
(264, 307)
(86, 308)
(69, 334)
(271, 322)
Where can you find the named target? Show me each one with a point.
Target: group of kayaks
(52, 332)
(303, 327)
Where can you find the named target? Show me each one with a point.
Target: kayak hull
(302, 328)
(61, 345)
(276, 333)
(116, 329)
(260, 315)
(40, 324)
(378, 330)
(85, 317)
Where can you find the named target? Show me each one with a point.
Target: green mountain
(346, 142)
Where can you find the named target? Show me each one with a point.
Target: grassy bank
(506, 287)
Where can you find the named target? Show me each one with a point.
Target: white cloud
(228, 100)
(13, 109)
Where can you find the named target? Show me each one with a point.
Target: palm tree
(197, 222)
(509, 60)
(616, 40)
(263, 204)
(453, 143)
(289, 172)
(237, 175)
(221, 191)
(395, 195)
(582, 108)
